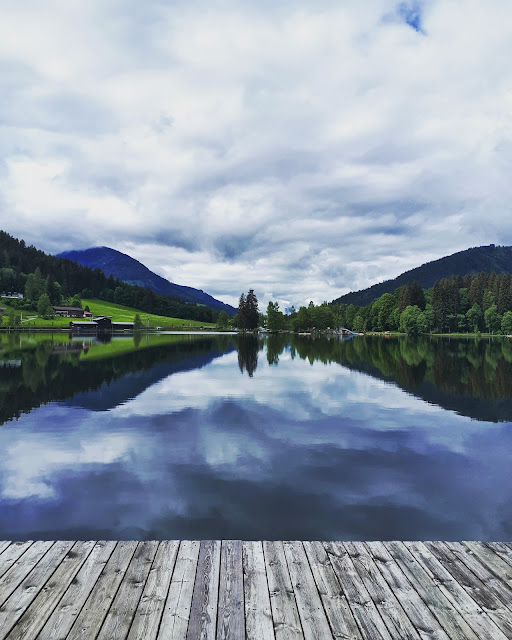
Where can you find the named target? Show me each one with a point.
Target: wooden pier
(212, 590)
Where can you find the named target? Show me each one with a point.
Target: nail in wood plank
(311, 612)
(30, 624)
(337, 609)
(287, 625)
(95, 609)
(58, 625)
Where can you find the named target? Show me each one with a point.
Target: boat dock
(231, 589)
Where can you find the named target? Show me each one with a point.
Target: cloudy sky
(304, 149)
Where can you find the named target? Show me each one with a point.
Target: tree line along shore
(457, 305)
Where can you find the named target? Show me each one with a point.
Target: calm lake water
(219, 436)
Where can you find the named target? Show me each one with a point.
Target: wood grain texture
(20, 599)
(11, 551)
(22, 560)
(285, 615)
(492, 560)
(146, 621)
(203, 613)
(428, 590)
(230, 617)
(64, 615)
(365, 612)
(214, 590)
(30, 624)
(390, 609)
(92, 615)
(424, 621)
(474, 615)
(176, 614)
(336, 605)
(485, 596)
(120, 615)
(258, 612)
(315, 625)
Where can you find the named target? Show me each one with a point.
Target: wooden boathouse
(99, 325)
(234, 590)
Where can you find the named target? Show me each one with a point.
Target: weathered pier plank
(427, 587)
(364, 608)
(461, 600)
(88, 622)
(26, 592)
(151, 606)
(334, 600)
(230, 619)
(423, 619)
(282, 599)
(203, 613)
(234, 590)
(387, 604)
(42, 606)
(485, 597)
(309, 604)
(64, 615)
(14, 574)
(258, 612)
(179, 599)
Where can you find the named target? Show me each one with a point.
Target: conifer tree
(242, 312)
(248, 316)
(252, 315)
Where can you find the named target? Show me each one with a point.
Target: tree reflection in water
(248, 348)
(470, 376)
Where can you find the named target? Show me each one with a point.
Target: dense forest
(480, 303)
(489, 259)
(46, 280)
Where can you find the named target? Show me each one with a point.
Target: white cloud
(303, 150)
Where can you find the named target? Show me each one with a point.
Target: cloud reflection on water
(297, 451)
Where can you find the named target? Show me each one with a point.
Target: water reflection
(248, 348)
(197, 437)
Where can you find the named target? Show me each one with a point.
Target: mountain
(469, 262)
(60, 277)
(133, 272)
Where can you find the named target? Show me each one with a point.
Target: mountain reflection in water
(223, 436)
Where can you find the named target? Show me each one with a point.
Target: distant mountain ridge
(488, 258)
(133, 272)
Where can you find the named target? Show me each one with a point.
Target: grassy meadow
(118, 312)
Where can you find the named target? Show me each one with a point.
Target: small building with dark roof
(99, 325)
(122, 325)
(83, 326)
(68, 312)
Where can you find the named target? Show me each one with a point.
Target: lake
(176, 436)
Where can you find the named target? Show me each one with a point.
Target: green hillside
(121, 313)
(33, 273)
(118, 312)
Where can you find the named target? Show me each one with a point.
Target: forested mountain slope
(119, 265)
(486, 259)
(60, 279)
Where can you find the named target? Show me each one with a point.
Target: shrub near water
(412, 321)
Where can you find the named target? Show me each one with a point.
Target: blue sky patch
(410, 13)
